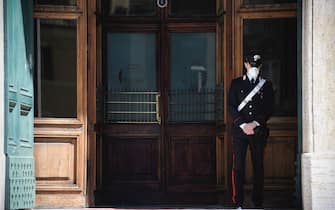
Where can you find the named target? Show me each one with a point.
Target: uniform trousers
(240, 146)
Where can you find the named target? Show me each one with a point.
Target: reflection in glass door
(131, 78)
(192, 95)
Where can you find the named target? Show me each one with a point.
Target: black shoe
(259, 207)
(237, 206)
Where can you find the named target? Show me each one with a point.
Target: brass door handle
(158, 117)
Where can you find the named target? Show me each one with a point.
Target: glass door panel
(131, 78)
(253, 2)
(192, 75)
(56, 72)
(58, 2)
(275, 38)
(132, 7)
(193, 7)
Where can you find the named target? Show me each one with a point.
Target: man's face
(247, 66)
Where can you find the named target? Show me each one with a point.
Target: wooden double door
(160, 101)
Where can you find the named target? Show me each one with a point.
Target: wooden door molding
(240, 7)
(64, 140)
(92, 65)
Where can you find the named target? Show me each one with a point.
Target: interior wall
(2, 154)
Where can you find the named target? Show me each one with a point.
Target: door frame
(232, 14)
(69, 131)
(93, 63)
(223, 50)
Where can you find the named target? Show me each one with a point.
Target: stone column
(2, 139)
(318, 104)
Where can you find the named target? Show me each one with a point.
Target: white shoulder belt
(251, 94)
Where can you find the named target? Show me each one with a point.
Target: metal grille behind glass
(132, 107)
(192, 105)
(189, 105)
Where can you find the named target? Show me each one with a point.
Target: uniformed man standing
(250, 104)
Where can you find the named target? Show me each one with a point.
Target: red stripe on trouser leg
(233, 181)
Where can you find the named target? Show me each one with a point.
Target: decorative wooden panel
(192, 157)
(55, 160)
(60, 163)
(191, 160)
(279, 162)
(130, 160)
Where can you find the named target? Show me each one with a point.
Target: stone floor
(275, 200)
(166, 208)
(162, 209)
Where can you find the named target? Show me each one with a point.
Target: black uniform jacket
(259, 108)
